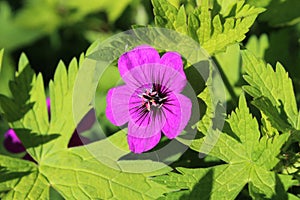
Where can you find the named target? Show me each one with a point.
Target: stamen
(152, 98)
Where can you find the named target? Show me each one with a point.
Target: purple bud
(12, 143)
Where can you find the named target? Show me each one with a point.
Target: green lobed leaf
(234, 28)
(258, 45)
(226, 6)
(204, 17)
(220, 145)
(180, 23)
(61, 94)
(204, 26)
(219, 183)
(165, 13)
(33, 186)
(249, 159)
(267, 127)
(86, 177)
(26, 111)
(241, 122)
(208, 183)
(12, 170)
(76, 172)
(274, 85)
(273, 185)
(20, 179)
(215, 111)
(278, 121)
(213, 118)
(81, 173)
(206, 122)
(268, 149)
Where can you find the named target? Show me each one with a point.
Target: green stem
(228, 86)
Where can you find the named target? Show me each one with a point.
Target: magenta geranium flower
(150, 101)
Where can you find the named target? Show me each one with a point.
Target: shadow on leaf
(202, 190)
(172, 151)
(6, 175)
(32, 140)
(279, 189)
(16, 107)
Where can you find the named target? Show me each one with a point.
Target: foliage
(212, 30)
(249, 160)
(255, 155)
(24, 179)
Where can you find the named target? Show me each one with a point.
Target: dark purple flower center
(153, 98)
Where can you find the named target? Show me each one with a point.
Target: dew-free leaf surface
(94, 171)
(249, 159)
(213, 31)
(273, 85)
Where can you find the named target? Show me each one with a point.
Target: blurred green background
(50, 30)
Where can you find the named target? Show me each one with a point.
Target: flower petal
(143, 123)
(137, 112)
(117, 105)
(149, 126)
(177, 111)
(140, 145)
(136, 57)
(173, 59)
(163, 75)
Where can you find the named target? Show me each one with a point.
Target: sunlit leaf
(249, 160)
(213, 32)
(274, 85)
